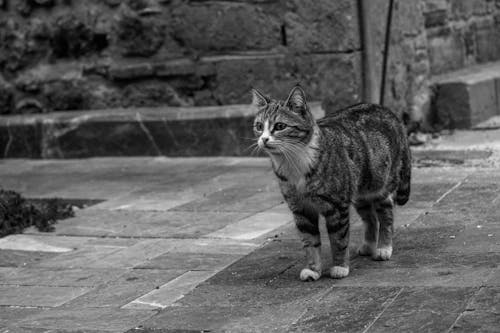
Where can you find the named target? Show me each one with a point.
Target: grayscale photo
(249, 166)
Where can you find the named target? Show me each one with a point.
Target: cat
(356, 156)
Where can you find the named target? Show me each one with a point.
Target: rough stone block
(130, 71)
(335, 77)
(487, 41)
(432, 5)
(225, 26)
(464, 101)
(72, 37)
(322, 26)
(465, 9)
(138, 36)
(446, 50)
(436, 18)
(408, 18)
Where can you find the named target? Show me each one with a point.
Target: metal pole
(386, 51)
(371, 84)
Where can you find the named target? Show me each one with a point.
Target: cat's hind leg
(366, 211)
(307, 225)
(337, 224)
(384, 211)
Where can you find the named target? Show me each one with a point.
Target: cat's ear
(258, 99)
(297, 100)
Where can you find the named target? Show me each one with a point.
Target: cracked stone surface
(192, 244)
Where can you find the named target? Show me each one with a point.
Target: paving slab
(124, 289)
(207, 245)
(146, 224)
(482, 313)
(135, 254)
(16, 329)
(423, 310)
(245, 197)
(253, 226)
(24, 243)
(19, 241)
(13, 314)
(273, 259)
(81, 258)
(99, 319)
(38, 295)
(190, 261)
(17, 258)
(346, 310)
(252, 295)
(78, 277)
(170, 292)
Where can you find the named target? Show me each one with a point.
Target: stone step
(468, 97)
(162, 131)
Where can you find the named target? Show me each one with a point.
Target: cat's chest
(301, 189)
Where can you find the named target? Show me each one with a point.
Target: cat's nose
(264, 140)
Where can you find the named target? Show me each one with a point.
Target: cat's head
(282, 125)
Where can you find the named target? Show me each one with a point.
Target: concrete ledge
(165, 131)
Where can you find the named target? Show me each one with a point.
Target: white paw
(339, 272)
(383, 253)
(309, 275)
(366, 249)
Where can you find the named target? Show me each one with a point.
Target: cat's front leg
(337, 224)
(307, 225)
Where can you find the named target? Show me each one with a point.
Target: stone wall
(429, 38)
(95, 54)
(461, 33)
(407, 88)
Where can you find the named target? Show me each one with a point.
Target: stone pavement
(206, 244)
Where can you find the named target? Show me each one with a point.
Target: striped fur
(358, 156)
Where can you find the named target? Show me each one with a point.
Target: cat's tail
(403, 191)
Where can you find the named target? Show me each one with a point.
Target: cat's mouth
(271, 149)
(267, 147)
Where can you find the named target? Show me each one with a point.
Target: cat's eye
(259, 126)
(279, 126)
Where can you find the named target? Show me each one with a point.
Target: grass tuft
(18, 213)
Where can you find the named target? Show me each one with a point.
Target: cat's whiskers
(256, 150)
(253, 145)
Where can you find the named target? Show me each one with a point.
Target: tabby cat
(358, 155)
